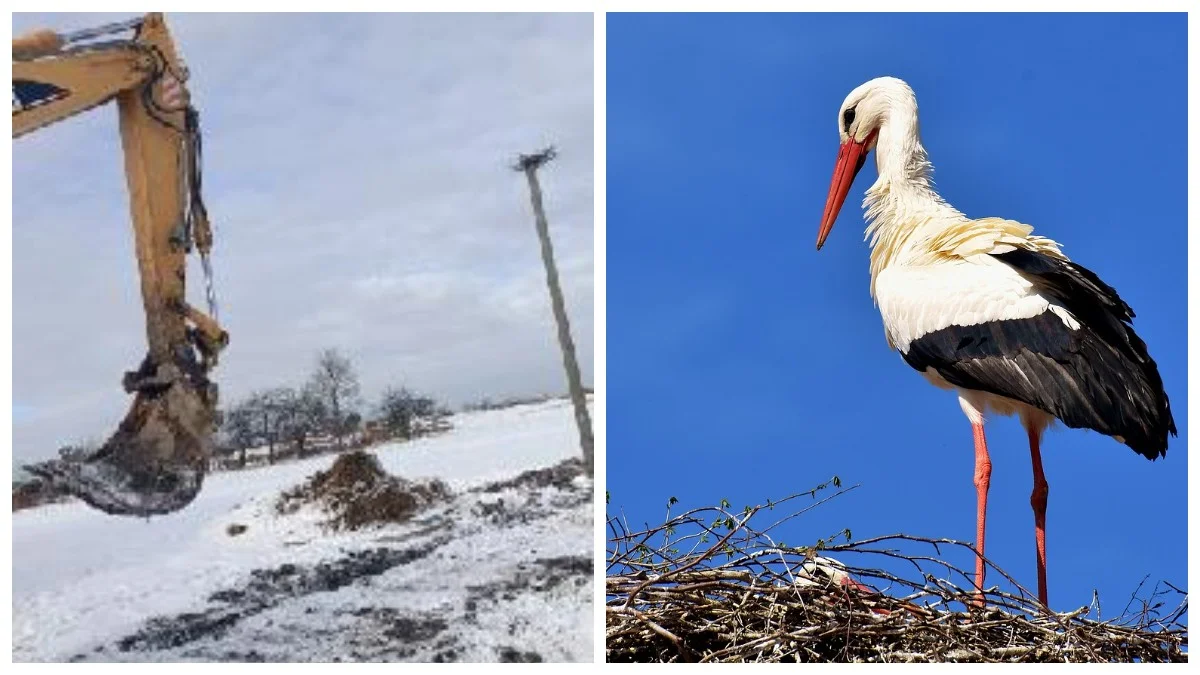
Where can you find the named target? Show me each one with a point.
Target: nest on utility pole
(535, 160)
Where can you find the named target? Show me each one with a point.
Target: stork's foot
(118, 491)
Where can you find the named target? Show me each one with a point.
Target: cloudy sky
(356, 173)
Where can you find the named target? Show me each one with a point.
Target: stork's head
(859, 120)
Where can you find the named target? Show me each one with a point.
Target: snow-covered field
(489, 576)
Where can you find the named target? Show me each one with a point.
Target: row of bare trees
(323, 412)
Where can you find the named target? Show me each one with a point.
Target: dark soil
(265, 589)
(511, 655)
(532, 495)
(559, 476)
(357, 493)
(538, 576)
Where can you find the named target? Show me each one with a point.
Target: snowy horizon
(498, 572)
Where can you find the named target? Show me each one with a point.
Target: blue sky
(742, 364)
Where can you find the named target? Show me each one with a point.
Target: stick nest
(707, 585)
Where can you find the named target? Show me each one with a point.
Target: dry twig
(707, 586)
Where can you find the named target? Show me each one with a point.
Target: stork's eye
(848, 118)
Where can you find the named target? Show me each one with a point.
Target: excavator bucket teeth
(113, 489)
(154, 463)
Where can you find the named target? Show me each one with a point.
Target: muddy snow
(501, 570)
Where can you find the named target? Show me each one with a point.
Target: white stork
(986, 308)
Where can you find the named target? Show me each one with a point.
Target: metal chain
(209, 291)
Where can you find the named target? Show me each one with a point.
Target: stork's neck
(903, 205)
(899, 154)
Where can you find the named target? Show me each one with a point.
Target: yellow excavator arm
(156, 460)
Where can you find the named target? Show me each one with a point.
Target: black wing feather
(1098, 377)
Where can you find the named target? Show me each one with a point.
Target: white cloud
(356, 172)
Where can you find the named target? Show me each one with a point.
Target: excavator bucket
(156, 461)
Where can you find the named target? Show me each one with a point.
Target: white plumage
(918, 300)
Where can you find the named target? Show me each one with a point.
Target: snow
(488, 576)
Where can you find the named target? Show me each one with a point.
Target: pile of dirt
(561, 476)
(356, 492)
(532, 495)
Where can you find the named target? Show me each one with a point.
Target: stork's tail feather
(1139, 412)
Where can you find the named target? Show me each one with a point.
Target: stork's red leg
(1041, 490)
(983, 479)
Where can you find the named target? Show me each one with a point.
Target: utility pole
(529, 164)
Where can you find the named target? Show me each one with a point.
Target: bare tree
(265, 410)
(352, 426)
(237, 430)
(304, 413)
(335, 383)
(400, 410)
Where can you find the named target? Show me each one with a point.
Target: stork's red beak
(851, 157)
